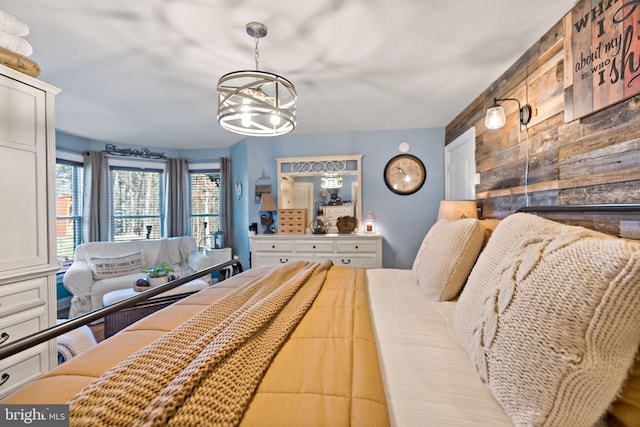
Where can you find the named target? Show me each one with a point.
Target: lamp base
(267, 221)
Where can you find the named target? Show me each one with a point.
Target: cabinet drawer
(357, 246)
(21, 325)
(314, 246)
(274, 246)
(20, 296)
(18, 370)
(352, 260)
(260, 260)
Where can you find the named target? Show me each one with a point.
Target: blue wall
(403, 220)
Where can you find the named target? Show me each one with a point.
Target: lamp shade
(457, 209)
(266, 203)
(495, 118)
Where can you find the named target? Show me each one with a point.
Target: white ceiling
(144, 72)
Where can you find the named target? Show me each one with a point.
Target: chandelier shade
(256, 103)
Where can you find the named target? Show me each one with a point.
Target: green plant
(160, 270)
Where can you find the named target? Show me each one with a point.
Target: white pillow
(550, 318)
(446, 257)
(104, 267)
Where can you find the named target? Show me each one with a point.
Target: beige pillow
(556, 327)
(104, 267)
(446, 257)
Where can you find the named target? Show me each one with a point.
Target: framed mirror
(330, 183)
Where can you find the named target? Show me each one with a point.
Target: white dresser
(28, 247)
(358, 250)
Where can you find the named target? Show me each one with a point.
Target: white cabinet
(27, 252)
(357, 250)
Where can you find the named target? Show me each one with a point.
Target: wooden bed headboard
(618, 220)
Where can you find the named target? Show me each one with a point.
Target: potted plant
(159, 274)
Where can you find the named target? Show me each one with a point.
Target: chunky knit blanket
(205, 371)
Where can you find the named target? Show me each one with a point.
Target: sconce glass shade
(495, 118)
(256, 103)
(457, 209)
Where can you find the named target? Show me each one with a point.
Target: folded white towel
(13, 25)
(15, 44)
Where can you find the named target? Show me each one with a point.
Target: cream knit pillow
(555, 330)
(446, 257)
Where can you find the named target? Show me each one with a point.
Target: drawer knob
(356, 246)
(5, 378)
(273, 246)
(284, 260)
(4, 337)
(314, 246)
(346, 261)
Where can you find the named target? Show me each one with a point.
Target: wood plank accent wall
(592, 160)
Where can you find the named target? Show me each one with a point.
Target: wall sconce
(495, 118)
(370, 223)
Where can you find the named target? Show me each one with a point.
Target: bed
(378, 347)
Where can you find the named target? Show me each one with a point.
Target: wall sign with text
(602, 55)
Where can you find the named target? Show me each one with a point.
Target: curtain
(226, 201)
(177, 205)
(95, 215)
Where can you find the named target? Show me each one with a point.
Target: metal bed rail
(54, 331)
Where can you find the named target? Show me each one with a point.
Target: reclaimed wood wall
(591, 160)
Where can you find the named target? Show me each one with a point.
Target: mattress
(429, 379)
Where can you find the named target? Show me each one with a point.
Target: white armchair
(88, 287)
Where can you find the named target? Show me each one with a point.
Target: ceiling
(144, 72)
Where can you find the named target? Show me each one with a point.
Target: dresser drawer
(261, 260)
(278, 245)
(357, 246)
(314, 246)
(15, 371)
(20, 296)
(351, 260)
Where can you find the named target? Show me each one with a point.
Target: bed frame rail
(54, 331)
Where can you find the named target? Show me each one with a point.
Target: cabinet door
(23, 177)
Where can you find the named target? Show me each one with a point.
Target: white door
(460, 167)
(303, 198)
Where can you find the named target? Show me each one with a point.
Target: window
(69, 192)
(204, 207)
(136, 203)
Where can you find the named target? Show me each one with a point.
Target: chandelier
(256, 103)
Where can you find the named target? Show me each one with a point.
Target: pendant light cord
(257, 54)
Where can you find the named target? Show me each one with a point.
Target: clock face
(404, 174)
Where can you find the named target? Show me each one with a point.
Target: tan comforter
(326, 373)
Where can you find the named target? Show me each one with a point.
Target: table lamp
(267, 205)
(457, 209)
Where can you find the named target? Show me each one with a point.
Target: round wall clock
(404, 174)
